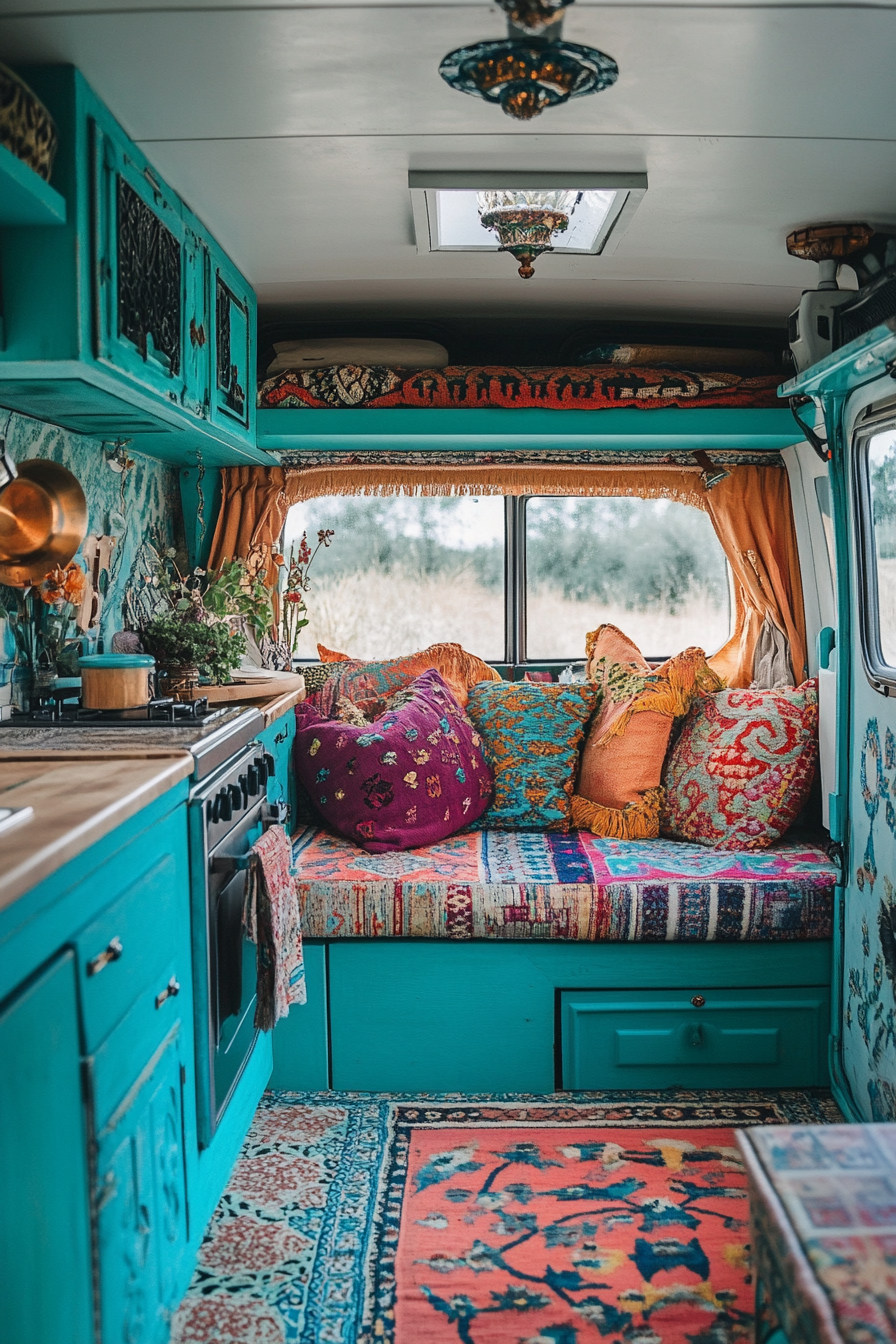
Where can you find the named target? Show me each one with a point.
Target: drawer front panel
(717, 1038)
(122, 951)
(118, 1061)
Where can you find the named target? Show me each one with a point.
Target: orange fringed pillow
(365, 683)
(618, 791)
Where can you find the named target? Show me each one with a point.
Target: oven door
(223, 957)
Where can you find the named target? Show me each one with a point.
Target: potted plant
(198, 635)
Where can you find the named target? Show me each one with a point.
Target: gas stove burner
(57, 710)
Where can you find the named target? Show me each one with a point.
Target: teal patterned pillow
(532, 735)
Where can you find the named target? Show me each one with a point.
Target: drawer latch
(112, 952)
(171, 990)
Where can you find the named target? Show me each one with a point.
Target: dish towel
(272, 922)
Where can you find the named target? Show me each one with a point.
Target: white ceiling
(290, 130)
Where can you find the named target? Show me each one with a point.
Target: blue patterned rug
(558, 1219)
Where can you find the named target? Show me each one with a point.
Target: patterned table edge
(780, 1262)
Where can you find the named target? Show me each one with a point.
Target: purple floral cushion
(413, 776)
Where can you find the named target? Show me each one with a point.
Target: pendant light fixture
(526, 221)
(532, 68)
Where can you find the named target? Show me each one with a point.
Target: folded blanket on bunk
(581, 887)
(576, 387)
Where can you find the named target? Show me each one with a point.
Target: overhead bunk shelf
(496, 429)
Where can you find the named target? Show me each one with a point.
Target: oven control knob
(260, 766)
(236, 795)
(243, 782)
(222, 810)
(252, 777)
(269, 762)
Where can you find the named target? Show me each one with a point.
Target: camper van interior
(447, 644)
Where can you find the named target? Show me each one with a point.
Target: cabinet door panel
(142, 1208)
(233, 397)
(45, 1270)
(140, 269)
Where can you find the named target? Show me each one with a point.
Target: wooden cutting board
(239, 692)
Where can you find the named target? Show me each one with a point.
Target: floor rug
(387, 1219)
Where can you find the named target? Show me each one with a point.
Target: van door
(869, 911)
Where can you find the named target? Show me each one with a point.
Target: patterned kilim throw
(580, 387)
(567, 1219)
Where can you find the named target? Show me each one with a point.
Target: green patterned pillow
(532, 735)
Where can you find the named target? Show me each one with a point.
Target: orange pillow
(365, 683)
(618, 791)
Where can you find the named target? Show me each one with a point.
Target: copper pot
(43, 520)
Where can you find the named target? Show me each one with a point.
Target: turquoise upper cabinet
(126, 320)
(233, 394)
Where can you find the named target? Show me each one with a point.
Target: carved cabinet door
(233, 356)
(141, 1205)
(139, 269)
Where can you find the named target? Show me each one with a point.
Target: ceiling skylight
(448, 208)
(458, 223)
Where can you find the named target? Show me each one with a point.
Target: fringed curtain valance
(750, 511)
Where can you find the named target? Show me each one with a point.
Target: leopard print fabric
(26, 127)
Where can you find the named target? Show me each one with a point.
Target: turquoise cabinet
(278, 738)
(46, 1291)
(140, 266)
(414, 1015)
(750, 1037)
(127, 319)
(142, 1203)
(233, 356)
(98, 1146)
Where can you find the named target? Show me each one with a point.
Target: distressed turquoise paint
(63, 354)
(860, 362)
(500, 429)
(136, 505)
(421, 1016)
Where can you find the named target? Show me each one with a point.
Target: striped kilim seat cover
(578, 887)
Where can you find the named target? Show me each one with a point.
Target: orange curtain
(254, 506)
(750, 511)
(753, 518)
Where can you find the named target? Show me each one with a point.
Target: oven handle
(229, 863)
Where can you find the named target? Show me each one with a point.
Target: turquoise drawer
(117, 1066)
(769, 1037)
(122, 951)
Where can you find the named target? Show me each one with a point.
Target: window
(457, 226)
(515, 580)
(403, 573)
(877, 507)
(653, 567)
(448, 206)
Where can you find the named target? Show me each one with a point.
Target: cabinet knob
(112, 952)
(698, 1001)
(171, 990)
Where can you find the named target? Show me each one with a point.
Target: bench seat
(577, 888)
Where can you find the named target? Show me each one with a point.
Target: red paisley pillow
(742, 768)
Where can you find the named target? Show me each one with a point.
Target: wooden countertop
(279, 705)
(77, 799)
